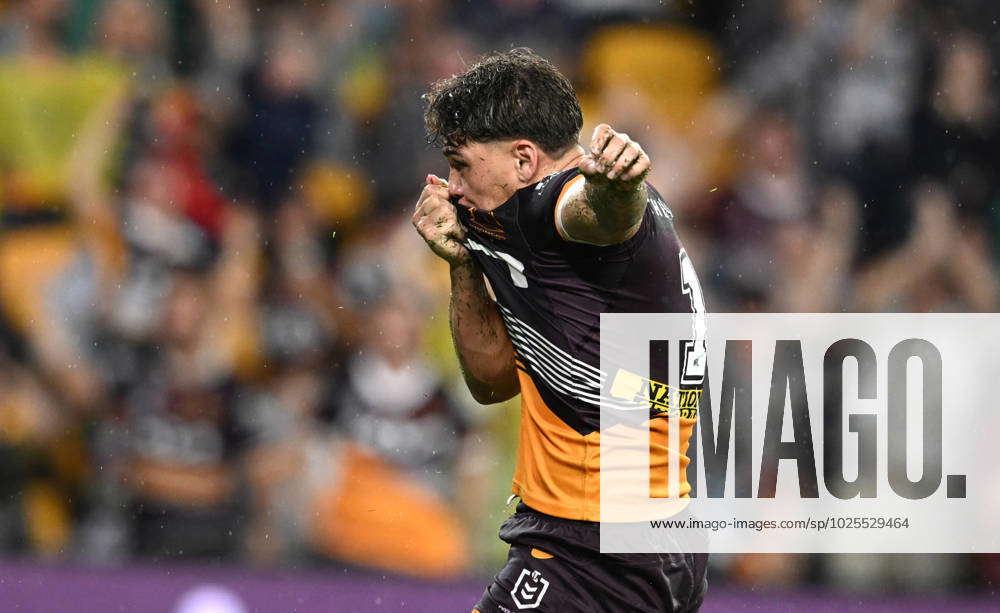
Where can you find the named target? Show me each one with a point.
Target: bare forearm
(481, 342)
(609, 206)
(616, 207)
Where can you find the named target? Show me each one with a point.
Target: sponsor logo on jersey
(664, 400)
(541, 184)
(486, 222)
(659, 207)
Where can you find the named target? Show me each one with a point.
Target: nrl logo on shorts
(529, 589)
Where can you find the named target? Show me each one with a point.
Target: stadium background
(224, 355)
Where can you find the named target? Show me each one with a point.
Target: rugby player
(561, 234)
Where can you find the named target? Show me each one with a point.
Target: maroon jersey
(551, 293)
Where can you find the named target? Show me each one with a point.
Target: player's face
(483, 175)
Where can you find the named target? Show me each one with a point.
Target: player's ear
(526, 158)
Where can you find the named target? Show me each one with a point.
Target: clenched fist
(437, 222)
(614, 159)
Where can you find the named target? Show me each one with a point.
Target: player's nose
(455, 185)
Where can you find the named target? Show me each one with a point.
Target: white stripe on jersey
(551, 364)
(578, 366)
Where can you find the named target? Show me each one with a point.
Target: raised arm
(605, 205)
(477, 330)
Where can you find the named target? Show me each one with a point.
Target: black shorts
(555, 565)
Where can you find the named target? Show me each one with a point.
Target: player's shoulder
(656, 205)
(537, 203)
(546, 191)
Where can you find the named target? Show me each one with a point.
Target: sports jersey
(551, 293)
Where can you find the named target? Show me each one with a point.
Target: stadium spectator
(183, 435)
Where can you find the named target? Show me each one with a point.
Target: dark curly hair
(505, 95)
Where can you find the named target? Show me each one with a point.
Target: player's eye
(457, 164)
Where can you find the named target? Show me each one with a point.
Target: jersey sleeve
(538, 219)
(537, 206)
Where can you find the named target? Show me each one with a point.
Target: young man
(562, 234)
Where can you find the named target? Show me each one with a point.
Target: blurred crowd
(220, 339)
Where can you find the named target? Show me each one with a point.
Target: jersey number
(694, 351)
